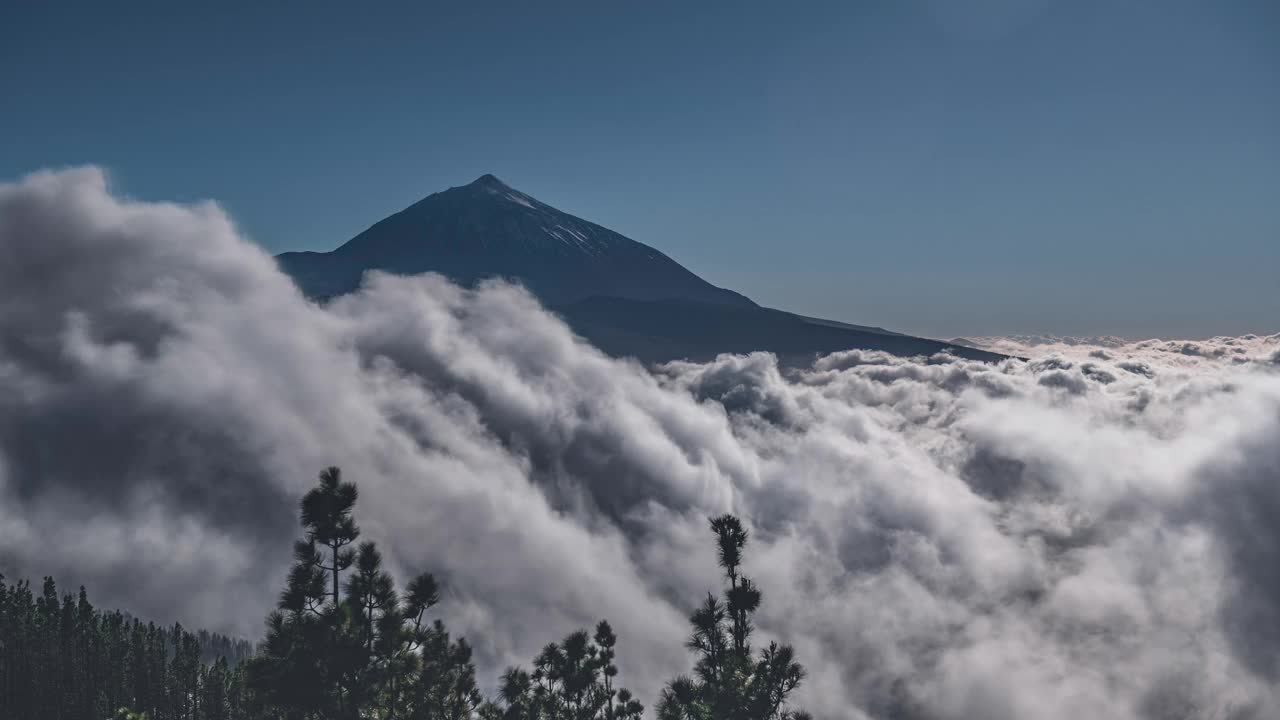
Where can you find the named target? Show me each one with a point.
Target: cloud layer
(1174, 354)
(1092, 532)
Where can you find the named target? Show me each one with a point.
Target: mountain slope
(485, 229)
(624, 296)
(661, 330)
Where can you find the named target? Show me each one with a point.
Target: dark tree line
(62, 659)
(345, 644)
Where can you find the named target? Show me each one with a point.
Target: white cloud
(1172, 354)
(1086, 533)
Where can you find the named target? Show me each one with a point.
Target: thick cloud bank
(1087, 534)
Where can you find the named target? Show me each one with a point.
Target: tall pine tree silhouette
(357, 649)
(728, 683)
(326, 516)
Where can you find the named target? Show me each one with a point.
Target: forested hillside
(344, 643)
(61, 658)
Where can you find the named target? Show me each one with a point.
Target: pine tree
(441, 685)
(571, 680)
(326, 515)
(729, 684)
(310, 658)
(356, 650)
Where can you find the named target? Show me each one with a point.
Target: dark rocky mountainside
(487, 228)
(624, 296)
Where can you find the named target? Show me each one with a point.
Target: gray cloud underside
(1089, 535)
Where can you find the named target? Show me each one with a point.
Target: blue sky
(936, 167)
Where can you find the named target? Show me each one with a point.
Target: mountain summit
(627, 298)
(487, 228)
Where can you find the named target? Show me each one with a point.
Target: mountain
(624, 296)
(662, 330)
(485, 229)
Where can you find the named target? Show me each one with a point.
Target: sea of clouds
(1093, 532)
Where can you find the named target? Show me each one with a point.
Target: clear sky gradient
(941, 168)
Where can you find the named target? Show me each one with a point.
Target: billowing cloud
(1091, 532)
